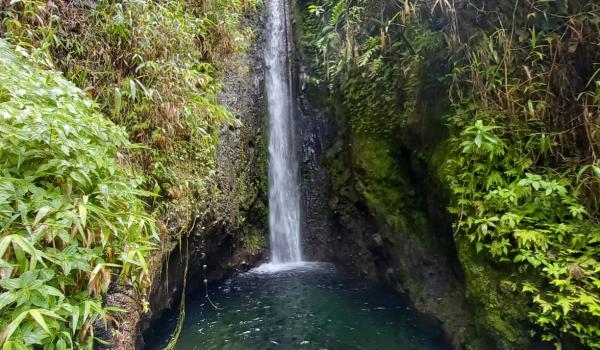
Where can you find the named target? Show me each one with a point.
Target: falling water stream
(289, 303)
(284, 193)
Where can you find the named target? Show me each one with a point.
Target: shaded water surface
(306, 307)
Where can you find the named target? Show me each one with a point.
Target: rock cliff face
(368, 206)
(375, 210)
(317, 136)
(375, 203)
(226, 236)
(375, 206)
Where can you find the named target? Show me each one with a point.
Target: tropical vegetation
(110, 121)
(522, 82)
(71, 215)
(92, 156)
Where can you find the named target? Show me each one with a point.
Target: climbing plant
(374, 62)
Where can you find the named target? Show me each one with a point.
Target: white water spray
(284, 193)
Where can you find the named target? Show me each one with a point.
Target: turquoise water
(309, 307)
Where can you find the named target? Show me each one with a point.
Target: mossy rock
(500, 314)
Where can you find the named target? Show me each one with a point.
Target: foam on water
(273, 268)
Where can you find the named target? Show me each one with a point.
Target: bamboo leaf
(82, 214)
(41, 214)
(12, 327)
(35, 314)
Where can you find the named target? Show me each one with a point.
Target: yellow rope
(206, 289)
(175, 338)
(173, 342)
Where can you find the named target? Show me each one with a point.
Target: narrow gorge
(299, 174)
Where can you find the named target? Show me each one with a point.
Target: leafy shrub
(152, 67)
(71, 217)
(530, 219)
(523, 168)
(369, 64)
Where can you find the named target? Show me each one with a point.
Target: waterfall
(284, 193)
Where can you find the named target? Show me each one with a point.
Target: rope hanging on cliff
(206, 296)
(175, 338)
